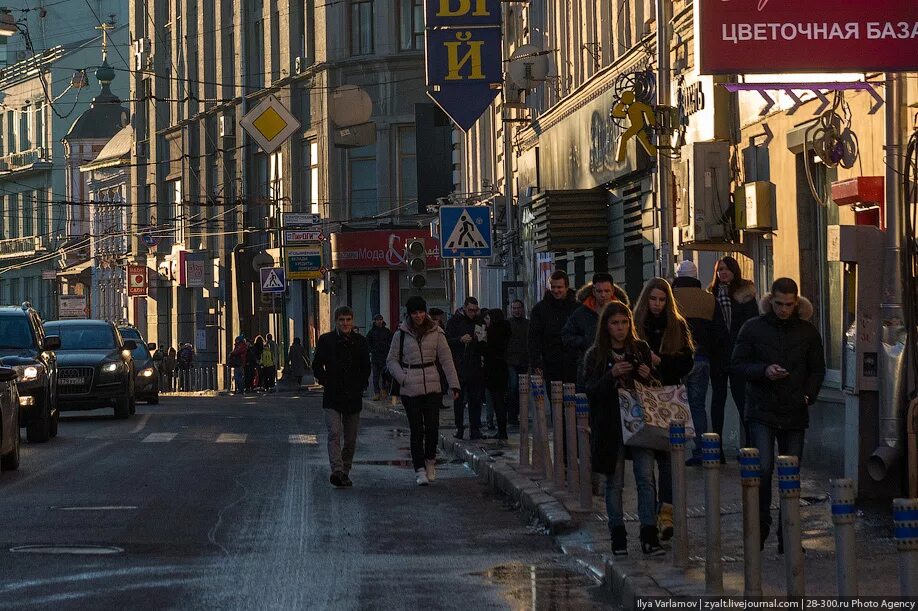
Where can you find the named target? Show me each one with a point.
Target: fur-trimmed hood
(585, 295)
(571, 296)
(745, 292)
(804, 307)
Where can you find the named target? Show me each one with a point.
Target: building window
(176, 210)
(38, 131)
(3, 214)
(15, 213)
(362, 175)
(411, 25)
(41, 213)
(24, 128)
(11, 131)
(311, 175)
(407, 179)
(362, 27)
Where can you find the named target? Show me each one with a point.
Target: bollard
(570, 430)
(583, 444)
(680, 520)
(535, 387)
(789, 487)
(524, 420)
(905, 515)
(750, 473)
(557, 421)
(843, 516)
(544, 442)
(713, 567)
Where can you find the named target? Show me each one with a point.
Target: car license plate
(72, 381)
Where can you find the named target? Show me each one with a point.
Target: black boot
(619, 541)
(764, 529)
(650, 541)
(460, 432)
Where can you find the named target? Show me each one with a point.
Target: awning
(76, 269)
(570, 220)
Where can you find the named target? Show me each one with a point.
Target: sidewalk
(584, 534)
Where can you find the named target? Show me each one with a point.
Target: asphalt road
(224, 503)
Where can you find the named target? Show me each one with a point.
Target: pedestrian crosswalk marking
(159, 437)
(232, 438)
(466, 234)
(307, 439)
(272, 281)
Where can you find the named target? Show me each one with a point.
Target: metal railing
(195, 379)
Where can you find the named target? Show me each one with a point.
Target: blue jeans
(643, 460)
(763, 437)
(239, 378)
(376, 369)
(696, 384)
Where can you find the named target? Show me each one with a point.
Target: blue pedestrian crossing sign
(273, 280)
(465, 231)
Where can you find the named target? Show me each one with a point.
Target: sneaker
(665, 522)
(619, 541)
(650, 541)
(421, 477)
(337, 479)
(430, 467)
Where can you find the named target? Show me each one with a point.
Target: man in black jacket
(342, 366)
(379, 338)
(463, 340)
(580, 329)
(780, 355)
(547, 355)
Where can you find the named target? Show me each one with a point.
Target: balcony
(18, 247)
(36, 158)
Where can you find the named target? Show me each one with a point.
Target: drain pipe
(892, 349)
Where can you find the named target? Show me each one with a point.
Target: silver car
(9, 420)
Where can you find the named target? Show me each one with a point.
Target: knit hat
(687, 269)
(415, 304)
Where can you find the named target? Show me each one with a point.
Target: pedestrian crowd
(174, 367)
(660, 354)
(255, 364)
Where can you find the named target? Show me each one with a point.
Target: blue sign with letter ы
(465, 231)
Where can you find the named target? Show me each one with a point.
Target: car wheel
(154, 400)
(133, 405)
(10, 461)
(38, 429)
(123, 407)
(55, 420)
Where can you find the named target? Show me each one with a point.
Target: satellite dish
(528, 67)
(350, 105)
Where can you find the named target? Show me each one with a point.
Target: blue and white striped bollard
(789, 488)
(583, 449)
(570, 436)
(905, 516)
(844, 515)
(680, 521)
(713, 566)
(750, 475)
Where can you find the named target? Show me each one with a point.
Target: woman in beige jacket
(417, 348)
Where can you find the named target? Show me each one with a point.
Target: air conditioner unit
(226, 126)
(703, 191)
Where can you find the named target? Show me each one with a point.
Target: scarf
(726, 303)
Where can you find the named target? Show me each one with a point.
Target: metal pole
(664, 17)
(570, 430)
(583, 439)
(557, 420)
(544, 443)
(843, 516)
(680, 519)
(750, 473)
(713, 567)
(508, 189)
(789, 487)
(538, 463)
(905, 514)
(524, 420)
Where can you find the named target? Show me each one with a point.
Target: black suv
(25, 347)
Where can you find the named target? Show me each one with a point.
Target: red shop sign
(378, 249)
(137, 280)
(771, 36)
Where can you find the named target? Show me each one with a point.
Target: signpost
(304, 262)
(300, 237)
(137, 280)
(301, 219)
(273, 280)
(465, 231)
(269, 124)
(71, 307)
(196, 270)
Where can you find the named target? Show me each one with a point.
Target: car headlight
(29, 373)
(110, 367)
(147, 373)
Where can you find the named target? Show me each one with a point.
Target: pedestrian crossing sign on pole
(273, 280)
(465, 231)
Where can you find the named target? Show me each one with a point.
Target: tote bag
(647, 411)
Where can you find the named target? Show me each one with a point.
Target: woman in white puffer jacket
(417, 348)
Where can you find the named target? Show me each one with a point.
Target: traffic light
(416, 260)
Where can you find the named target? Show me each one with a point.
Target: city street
(224, 503)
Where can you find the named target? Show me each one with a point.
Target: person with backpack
(237, 362)
(253, 363)
(417, 348)
(185, 361)
(296, 362)
(379, 338)
(268, 368)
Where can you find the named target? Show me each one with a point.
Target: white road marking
(307, 439)
(232, 438)
(159, 437)
(98, 508)
(142, 424)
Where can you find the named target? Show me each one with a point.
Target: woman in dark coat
(736, 303)
(614, 360)
(495, 364)
(253, 363)
(662, 326)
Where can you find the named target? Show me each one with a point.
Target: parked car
(146, 375)
(25, 347)
(9, 420)
(95, 366)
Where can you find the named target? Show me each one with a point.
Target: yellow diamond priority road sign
(270, 124)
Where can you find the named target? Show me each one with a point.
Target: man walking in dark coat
(380, 339)
(517, 357)
(463, 341)
(342, 366)
(547, 355)
(580, 330)
(781, 358)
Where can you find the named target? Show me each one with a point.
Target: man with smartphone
(781, 357)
